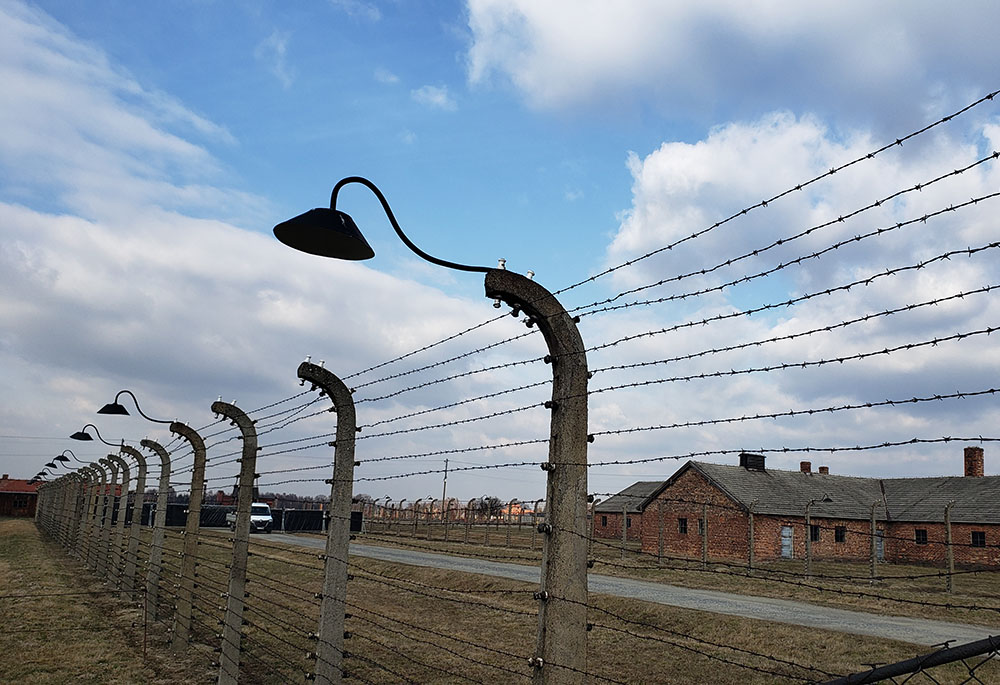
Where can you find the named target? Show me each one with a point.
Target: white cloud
(683, 188)
(434, 96)
(273, 53)
(691, 58)
(385, 76)
(358, 9)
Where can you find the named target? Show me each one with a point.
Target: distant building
(709, 507)
(17, 497)
(629, 504)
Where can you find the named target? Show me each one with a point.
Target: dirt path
(912, 630)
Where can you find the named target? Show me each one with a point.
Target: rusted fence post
(330, 643)
(561, 646)
(155, 569)
(185, 590)
(232, 629)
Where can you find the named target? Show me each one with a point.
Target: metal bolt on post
(232, 631)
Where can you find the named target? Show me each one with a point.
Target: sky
(149, 148)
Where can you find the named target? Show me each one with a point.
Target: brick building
(708, 510)
(17, 497)
(630, 503)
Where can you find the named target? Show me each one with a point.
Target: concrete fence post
(704, 535)
(94, 515)
(534, 522)
(624, 529)
(106, 518)
(659, 533)
(446, 506)
(155, 569)
(561, 646)
(469, 513)
(873, 560)
(750, 536)
(185, 590)
(132, 557)
(232, 629)
(808, 562)
(510, 509)
(949, 548)
(120, 544)
(333, 605)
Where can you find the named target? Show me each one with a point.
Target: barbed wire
(814, 255)
(764, 203)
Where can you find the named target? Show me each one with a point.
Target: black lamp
(82, 434)
(117, 409)
(332, 233)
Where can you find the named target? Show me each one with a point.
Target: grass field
(407, 624)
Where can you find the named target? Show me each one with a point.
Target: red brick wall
(728, 529)
(608, 525)
(727, 526)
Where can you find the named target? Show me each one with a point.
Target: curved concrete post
(185, 592)
(232, 630)
(562, 604)
(330, 645)
(155, 569)
(132, 558)
(510, 509)
(87, 479)
(534, 521)
(94, 515)
(107, 509)
(119, 545)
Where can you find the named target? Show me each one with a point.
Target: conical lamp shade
(326, 233)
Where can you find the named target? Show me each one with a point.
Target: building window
(628, 522)
(604, 521)
(979, 538)
(920, 536)
(20, 502)
(813, 532)
(682, 526)
(839, 534)
(701, 526)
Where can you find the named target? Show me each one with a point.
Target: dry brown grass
(424, 625)
(50, 635)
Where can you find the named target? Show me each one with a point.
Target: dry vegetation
(414, 624)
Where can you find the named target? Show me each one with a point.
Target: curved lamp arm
(395, 224)
(82, 434)
(119, 410)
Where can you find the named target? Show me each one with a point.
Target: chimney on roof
(5, 476)
(752, 462)
(824, 470)
(974, 462)
(805, 466)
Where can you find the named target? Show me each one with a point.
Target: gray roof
(977, 500)
(634, 498)
(785, 493)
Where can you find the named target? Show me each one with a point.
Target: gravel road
(912, 630)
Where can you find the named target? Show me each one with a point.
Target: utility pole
(444, 486)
